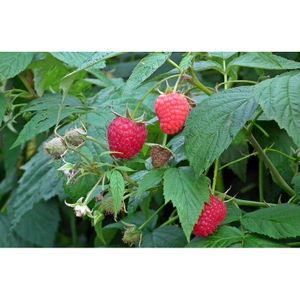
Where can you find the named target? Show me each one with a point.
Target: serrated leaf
(223, 55)
(167, 237)
(226, 113)
(264, 60)
(255, 241)
(144, 69)
(208, 65)
(186, 62)
(40, 181)
(39, 225)
(187, 193)
(3, 105)
(279, 222)
(150, 180)
(117, 188)
(279, 98)
(224, 237)
(42, 121)
(12, 63)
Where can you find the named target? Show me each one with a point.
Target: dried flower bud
(107, 204)
(75, 137)
(55, 147)
(160, 156)
(81, 210)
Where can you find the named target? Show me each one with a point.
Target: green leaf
(39, 225)
(223, 55)
(279, 98)
(76, 59)
(150, 180)
(4, 225)
(144, 69)
(168, 236)
(208, 65)
(3, 105)
(226, 113)
(40, 181)
(117, 187)
(234, 213)
(224, 237)
(186, 62)
(13, 63)
(264, 60)
(42, 121)
(187, 193)
(135, 201)
(255, 241)
(281, 221)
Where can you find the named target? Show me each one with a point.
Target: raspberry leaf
(12, 63)
(3, 105)
(264, 60)
(255, 241)
(187, 194)
(168, 236)
(279, 222)
(150, 180)
(224, 237)
(117, 187)
(279, 98)
(226, 113)
(144, 69)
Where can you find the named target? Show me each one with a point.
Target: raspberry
(126, 137)
(172, 110)
(211, 217)
(55, 147)
(75, 137)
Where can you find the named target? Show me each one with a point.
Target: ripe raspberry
(211, 217)
(126, 136)
(172, 110)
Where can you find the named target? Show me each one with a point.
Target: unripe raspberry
(55, 147)
(213, 214)
(172, 111)
(160, 156)
(132, 235)
(108, 207)
(126, 137)
(75, 137)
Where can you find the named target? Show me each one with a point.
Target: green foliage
(279, 98)
(226, 113)
(282, 221)
(237, 117)
(186, 194)
(225, 236)
(12, 63)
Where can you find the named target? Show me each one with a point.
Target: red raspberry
(126, 136)
(211, 217)
(172, 110)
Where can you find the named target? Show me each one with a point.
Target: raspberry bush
(161, 149)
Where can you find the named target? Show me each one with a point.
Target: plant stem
(27, 85)
(152, 216)
(87, 199)
(199, 84)
(165, 139)
(170, 221)
(279, 152)
(277, 178)
(173, 63)
(261, 180)
(235, 81)
(215, 176)
(237, 160)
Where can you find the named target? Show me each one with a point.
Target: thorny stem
(235, 81)
(261, 180)
(237, 160)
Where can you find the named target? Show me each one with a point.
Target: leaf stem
(152, 216)
(261, 180)
(277, 178)
(170, 221)
(215, 176)
(199, 84)
(238, 160)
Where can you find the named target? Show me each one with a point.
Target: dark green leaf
(224, 237)
(281, 221)
(234, 213)
(3, 105)
(150, 180)
(214, 123)
(255, 241)
(117, 187)
(187, 193)
(13, 63)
